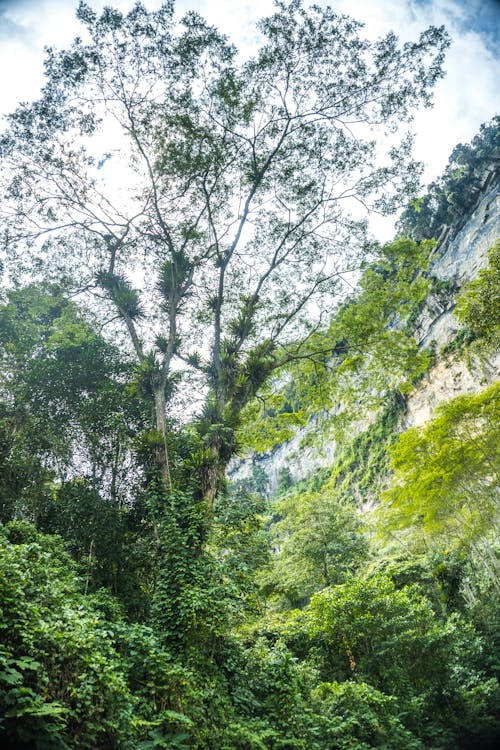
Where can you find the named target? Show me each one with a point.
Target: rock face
(456, 261)
(446, 380)
(291, 457)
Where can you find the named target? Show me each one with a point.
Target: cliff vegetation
(153, 595)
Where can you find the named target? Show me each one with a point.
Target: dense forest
(185, 296)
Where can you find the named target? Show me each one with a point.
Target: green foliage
(73, 673)
(65, 402)
(125, 297)
(447, 473)
(368, 352)
(369, 629)
(190, 599)
(361, 469)
(391, 665)
(234, 280)
(67, 410)
(271, 691)
(450, 198)
(318, 542)
(147, 617)
(460, 342)
(25, 483)
(358, 715)
(107, 541)
(240, 543)
(285, 480)
(478, 305)
(374, 354)
(62, 685)
(259, 480)
(267, 422)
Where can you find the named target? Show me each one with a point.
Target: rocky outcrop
(450, 377)
(458, 258)
(457, 261)
(294, 457)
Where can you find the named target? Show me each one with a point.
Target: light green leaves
(478, 306)
(447, 472)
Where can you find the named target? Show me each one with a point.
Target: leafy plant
(447, 473)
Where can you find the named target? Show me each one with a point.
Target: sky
(466, 97)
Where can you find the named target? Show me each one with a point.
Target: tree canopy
(220, 214)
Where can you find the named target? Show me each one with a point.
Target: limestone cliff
(457, 259)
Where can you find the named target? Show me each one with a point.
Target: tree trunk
(212, 479)
(161, 426)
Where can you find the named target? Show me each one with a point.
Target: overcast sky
(468, 96)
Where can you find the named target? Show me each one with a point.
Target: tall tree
(64, 395)
(211, 202)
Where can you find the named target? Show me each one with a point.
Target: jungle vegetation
(152, 330)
